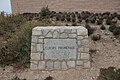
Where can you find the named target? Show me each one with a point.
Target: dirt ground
(107, 54)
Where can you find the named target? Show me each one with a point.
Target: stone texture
(86, 49)
(85, 56)
(33, 65)
(63, 35)
(40, 41)
(57, 65)
(59, 48)
(79, 43)
(41, 65)
(84, 42)
(36, 32)
(81, 49)
(49, 65)
(35, 56)
(71, 64)
(33, 49)
(82, 31)
(49, 34)
(79, 56)
(72, 35)
(34, 39)
(64, 66)
(73, 31)
(79, 63)
(39, 47)
(56, 34)
(41, 56)
(87, 64)
(80, 37)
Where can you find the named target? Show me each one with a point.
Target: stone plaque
(60, 49)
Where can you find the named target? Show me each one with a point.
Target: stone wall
(59, 48)
(21, 6)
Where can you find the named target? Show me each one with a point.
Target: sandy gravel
(107, 54)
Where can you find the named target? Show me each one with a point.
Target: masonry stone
(39, 47)
(59, 48)
(64, 66)
(49, 65)
(57, 65)
(87, 64)
(85, 56)
(71, 64)
(41, 65)
(79, 63)
(35, 56)
(33, 65)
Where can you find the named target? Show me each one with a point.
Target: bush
(109, 74)
(116, 31)
(96, 37)
(49, 78)
(102, 27)
(109, 22)
(112, 27)
(9, 23)
(45, 12)
(99, 22)
(90, 29)
(18, 49)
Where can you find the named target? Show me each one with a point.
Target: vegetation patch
(110, 73)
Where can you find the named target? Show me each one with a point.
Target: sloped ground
(107, 54)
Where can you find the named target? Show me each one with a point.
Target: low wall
(59, 48)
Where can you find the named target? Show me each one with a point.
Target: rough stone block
(81, 49)
(86, 49)
(87, 64)
(49, 35)
(63, 35)
(57, 65)
(40, 40)
(49, 65)
(84, 42)
(80, 37)
(79, 63)
(41, 65)
(39, 47)
(82, 31)
(33, 65)
(85, 56)
(56, 34)
(33, 49)
(36, 32)
(59, 47)
(64, 66)
(35, 56)
(71, 64)
(34, 39)
(72, 35)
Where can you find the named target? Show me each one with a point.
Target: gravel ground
(107, 54)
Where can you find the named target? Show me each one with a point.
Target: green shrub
(112, 27)
(45, 12)
(9, 23)
(90, 29)
(109, 74)
(18, 48)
